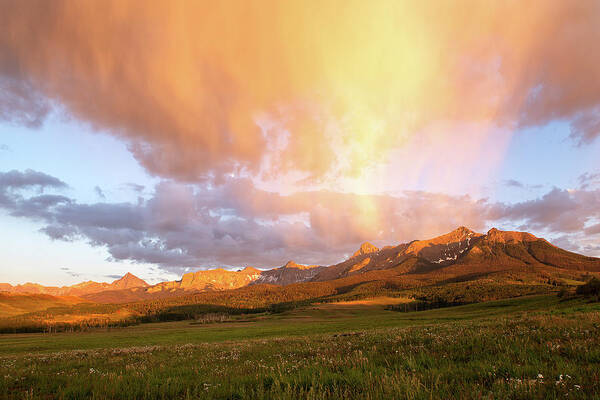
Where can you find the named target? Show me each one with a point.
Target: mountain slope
(444, 249)
(12, 304)
(288, 274)
(521, 249)
(460, 255)
(212, 280)
(199, 281)
(428, 254)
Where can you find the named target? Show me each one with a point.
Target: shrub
(590, 289)
(563, 292)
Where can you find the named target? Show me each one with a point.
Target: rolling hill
(12, 304)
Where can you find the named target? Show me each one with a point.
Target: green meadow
(529, 347)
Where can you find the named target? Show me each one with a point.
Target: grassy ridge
(515, 348)
(275, 299)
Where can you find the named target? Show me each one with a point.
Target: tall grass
(536, 354)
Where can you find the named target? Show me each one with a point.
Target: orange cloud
(343, 82)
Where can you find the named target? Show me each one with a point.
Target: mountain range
(127, 281)
(459, 254)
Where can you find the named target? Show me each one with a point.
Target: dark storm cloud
(237, 224)
(557, 211)
(101, 215)
(37, 206)
(12, 183)
(18, 180)
(60, 232)
(103, 62)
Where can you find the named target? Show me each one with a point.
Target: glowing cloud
(348, 81)
(308, 98)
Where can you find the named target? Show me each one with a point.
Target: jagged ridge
(456, 253)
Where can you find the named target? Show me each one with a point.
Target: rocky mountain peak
(444, 249)
(464, 230)
(365, 248)
(498, 236)
(250, 270)
(128, 281)
(460, 233)
(292, 264)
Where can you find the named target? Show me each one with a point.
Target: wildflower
(540, 376)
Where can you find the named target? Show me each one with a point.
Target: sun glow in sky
(160, 138)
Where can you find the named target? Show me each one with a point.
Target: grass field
(530, 347)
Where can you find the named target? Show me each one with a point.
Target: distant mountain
(460, 253)
(212, 280)
(128, 281)
(288, 274)
(365, 248)
(464, 251)
(200, 281)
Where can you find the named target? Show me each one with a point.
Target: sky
(165, 138)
